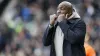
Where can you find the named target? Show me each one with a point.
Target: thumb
(66, 16)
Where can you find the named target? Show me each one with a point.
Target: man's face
(62, 9)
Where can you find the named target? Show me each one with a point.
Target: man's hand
(61, 17)
(53, 19)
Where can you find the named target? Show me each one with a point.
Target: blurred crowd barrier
(23, 23)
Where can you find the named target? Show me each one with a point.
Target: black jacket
(74, 34)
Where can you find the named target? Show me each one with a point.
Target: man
(66, 32)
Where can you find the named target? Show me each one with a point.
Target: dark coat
(74, 34)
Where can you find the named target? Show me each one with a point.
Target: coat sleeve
(48, 35)
(75, 35)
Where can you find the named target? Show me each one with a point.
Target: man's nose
(58, 11)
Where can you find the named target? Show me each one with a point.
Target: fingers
(53, 18)
(61, 17)
(66, 16)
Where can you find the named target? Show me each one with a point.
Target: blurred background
(23, 22)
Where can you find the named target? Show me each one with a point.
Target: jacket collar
(73, 17)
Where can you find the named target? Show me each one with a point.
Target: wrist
(50, 25)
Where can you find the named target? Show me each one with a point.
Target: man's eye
(62, 8)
